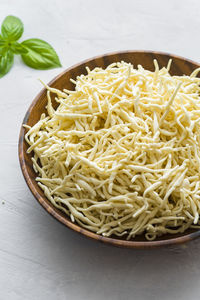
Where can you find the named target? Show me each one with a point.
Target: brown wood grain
(179, 66)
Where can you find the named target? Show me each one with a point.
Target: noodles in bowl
(121, 153)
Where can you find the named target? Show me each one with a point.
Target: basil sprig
(35, 53)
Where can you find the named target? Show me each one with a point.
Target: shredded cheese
(121, 153)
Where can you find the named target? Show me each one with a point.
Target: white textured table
(40, 258)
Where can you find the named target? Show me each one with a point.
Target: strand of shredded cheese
(121, 153)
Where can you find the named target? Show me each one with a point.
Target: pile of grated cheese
(121, 153)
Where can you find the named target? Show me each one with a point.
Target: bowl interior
(179, 66)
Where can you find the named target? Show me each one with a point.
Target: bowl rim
(67, 222)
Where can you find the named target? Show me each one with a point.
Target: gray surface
(40, 258)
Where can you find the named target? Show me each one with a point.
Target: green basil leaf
(2, 43)
(18, 48)
(40, 55)
(12, 28)
(3, 51)
(6, 62)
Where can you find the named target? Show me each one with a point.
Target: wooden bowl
(179, 66)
